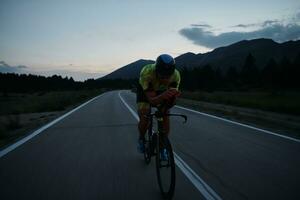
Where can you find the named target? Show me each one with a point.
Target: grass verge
(22, 113)
(280, 102)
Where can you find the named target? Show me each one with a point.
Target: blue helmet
(165, 65)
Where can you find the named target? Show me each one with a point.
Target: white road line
(25, 139)
(199, 183)
(237, 123)
(132, 111)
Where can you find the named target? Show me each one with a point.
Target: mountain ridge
(223, 57)
(129, 71)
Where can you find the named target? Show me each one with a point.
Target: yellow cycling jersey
(149, 80)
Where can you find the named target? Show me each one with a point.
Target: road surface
(91, 154)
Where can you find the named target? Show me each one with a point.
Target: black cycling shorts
(140, 94)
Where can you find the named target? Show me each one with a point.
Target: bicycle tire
(166, 191)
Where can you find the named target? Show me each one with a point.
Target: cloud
(244, 25)
(6, 68)
(22, 67)
(298, 16)
(263, 24)
(201, 25)
(3, 64)
(269, 22)
(269, 29)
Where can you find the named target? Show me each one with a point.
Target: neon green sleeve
(145, 77)
(176, 79)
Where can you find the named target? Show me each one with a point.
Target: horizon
(80, 77)
(91, 39)
(75, 76)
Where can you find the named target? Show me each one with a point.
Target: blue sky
(91, 38)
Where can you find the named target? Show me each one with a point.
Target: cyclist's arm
(174, 85)
(162, 98)
(153, 98)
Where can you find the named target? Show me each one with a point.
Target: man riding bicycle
(158, 86)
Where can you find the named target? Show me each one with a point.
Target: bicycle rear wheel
(165, 168)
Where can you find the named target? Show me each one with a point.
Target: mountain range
(223, 58)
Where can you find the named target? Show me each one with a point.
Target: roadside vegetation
(274, 87)
(22, 112)
(280, 102)
(273, 77)
(17, 103)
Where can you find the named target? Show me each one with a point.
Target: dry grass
(16, 108)
(280, 102)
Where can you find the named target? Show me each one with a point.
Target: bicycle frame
(159, 115)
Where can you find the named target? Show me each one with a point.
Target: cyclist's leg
(166, 124)
(143, 109)
(143, 125)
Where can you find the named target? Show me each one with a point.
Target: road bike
(155, 143)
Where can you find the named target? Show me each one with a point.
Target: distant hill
(189, 60)
(224, 57)
(129, 71)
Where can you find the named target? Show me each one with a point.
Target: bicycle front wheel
(148, 147)
(165, 167)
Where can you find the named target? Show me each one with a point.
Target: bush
(13, 122)
(285, 102)
(2, 132)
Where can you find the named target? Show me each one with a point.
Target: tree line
(281, 75)
(26, 83)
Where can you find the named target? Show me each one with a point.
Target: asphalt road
(91, 154)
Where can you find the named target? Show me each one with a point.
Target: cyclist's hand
(167, 95)
(172, 100)
(175, 92)
(172, 93)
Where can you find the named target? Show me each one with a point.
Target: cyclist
(158, 86)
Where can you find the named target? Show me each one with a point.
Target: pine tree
(209, 78)
(250, 73)
(285, 68)
(296, 71)
(270, 75)
(232, 77)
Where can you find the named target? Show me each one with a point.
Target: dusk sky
(88, 39)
